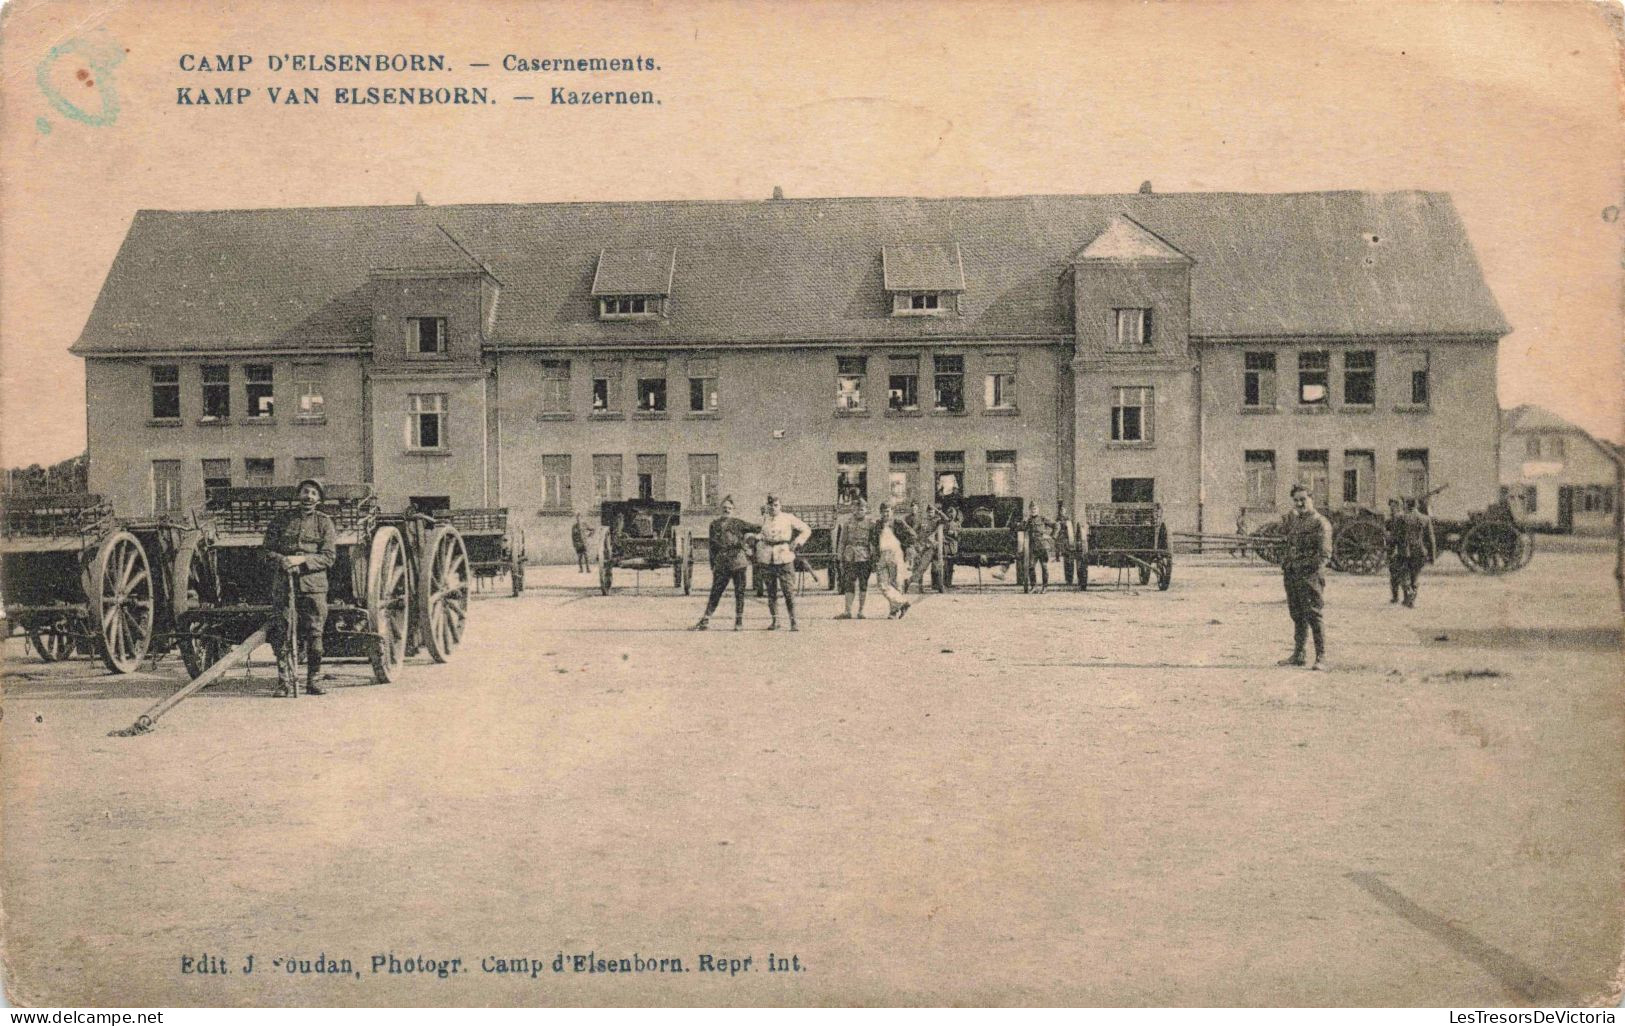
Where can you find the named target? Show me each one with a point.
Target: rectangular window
(1134, 489)
(426, 335)
(308, 381)
(999, 388)
(1414, 365)
(1531, 498)
(652, 477)
(216, 391)
(556, 386)
(950, 473)
(606, 386)
(1314, 473)
(166, 392)
(606, 478)
(259, 472)
(426, 423)
(850, 372)
(924, 301)
(1554, 447)
(950, 383)
(1413, 473)
(704, 477)
(1001, 472)
(903, 478)
(903, 382)
(1131, 414)
(1313, 377)
(257, 387)
(651, 385)
(1360, 478)
(1260, 469)
(623, 307)
(1360, 378)
(556, 483)
(216, 475)
(851, 476)
(1131, 330)
(429, 503)
(703, 395)
(166, 486)
(1258, 381)
(310, 466)
(1531, 447)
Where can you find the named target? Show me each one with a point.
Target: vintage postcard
(744, 503)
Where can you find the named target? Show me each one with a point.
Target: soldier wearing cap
(1411, 544)
(782, 535)
(727, 546)
(302, 545)
(1308, 549)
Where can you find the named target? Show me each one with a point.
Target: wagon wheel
(688, 568)
(120, 589)
(676, 560)
(1024, 567)
(196, 587)
(1163, 562)
(1526, 549)
(1491, 547)
(517, 575)
(1145, 573)
(442, 592)
(1359, 548)
(388, 602)
(51, 640)
(1269, 543)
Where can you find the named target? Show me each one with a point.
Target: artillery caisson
(645, 534)
(1488, 542)
(1126, 536)
(494, 548)
(399, 583)
(79, 580)
(993, 533)
(1359, 541)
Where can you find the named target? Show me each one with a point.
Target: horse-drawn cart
(494, 549)
(400, 582)
(994, 533)
(645, 534)
(79, 580)
(1126, 536)
(1488, 542)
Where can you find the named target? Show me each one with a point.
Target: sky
(1511, 108)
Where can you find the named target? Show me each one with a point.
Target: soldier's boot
(704, 624)
(793, 624)
(1320, 648)
(739, 623)
(773, 624)
(311, 688)
(1300, 635)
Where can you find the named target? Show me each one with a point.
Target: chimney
(1145, 187)
(420, 201)
(778, 192)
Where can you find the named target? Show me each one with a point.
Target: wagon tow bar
(146, 721)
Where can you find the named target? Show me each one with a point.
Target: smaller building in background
(1555, 475)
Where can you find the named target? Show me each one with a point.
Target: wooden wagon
(494, 548)
(993, 534)
(645, 534)
(1126, 536)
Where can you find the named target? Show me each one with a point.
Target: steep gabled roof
(1335, 263)
(1530, 417)
(1127, 240)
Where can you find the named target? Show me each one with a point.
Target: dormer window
(923, 280)
(1132, 330)
(633, 284)
(426, 336)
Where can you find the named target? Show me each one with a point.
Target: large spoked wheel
(442, 586)
(121, 601)
(388, 602)
(517, 574)
(1269, 543)
(1024, 563)
(606, 568)
(51, 640)
(1164, 565)
(1145, 574)
(1526, 549)
(688, 570)
(1491, 547)
(1358, 548)
(196, 587)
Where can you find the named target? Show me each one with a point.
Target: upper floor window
(166, 392)
(1131, 414)
(426, 423)
(426, 335)
(308, 379)
(1131, 330)
(555, 386)
(1531, 447)
(1414, 365)
(1360, 377)
(606, 386)
(1313, 370)
(903, 383)
(1258, 380)
(258, 389)
(950, 383)
(612, 308)
(216, 391)
(923, 279)
(999, 389)
(651, 386)
(850, 372)
(703, 395)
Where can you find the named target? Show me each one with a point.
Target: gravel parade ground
(1101, 798)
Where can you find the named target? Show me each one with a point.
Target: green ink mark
(101, 57)
(43, 125)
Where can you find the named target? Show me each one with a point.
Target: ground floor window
(950, 473)
(1360, 478)
(1314, 473)
(314, 467)
(1413, 474)
(704, 477)
(1134, 489)
(556, 483)
(1260, 469)
(1001, 472)
(430, 503)
(166, 486)
(216, 476)
(652, 477)
(606, 478)
(260, 472)
(851, 476)
(1596, 499)
(903, 484)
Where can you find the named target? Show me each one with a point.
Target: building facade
(1199, 351)
(1555, 475)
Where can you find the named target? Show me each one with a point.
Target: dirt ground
(1112, 797)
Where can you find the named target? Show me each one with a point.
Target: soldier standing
(1308, 548)
(1040, 536)
(857, 556)
(889, 539)
(1412, 546)
(1395, 572)
(728, 563)
(578, 538)
(782, 534)
(950, 543)
(302, 544)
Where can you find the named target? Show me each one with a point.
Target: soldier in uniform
(783, 534)
(728, 563)
(889, 539)
(1307, 550)
(302, 544)
(857, 556)
(578, 538)
(1040, 539)
(950, 543)
(1396, 509)
(1412, 544)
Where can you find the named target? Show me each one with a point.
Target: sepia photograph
(892, 503)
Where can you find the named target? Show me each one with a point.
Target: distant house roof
(1302, 264)
(1530, 417)
(634, 272)
(922, 268)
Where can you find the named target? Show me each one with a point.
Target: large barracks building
(1202, 351)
